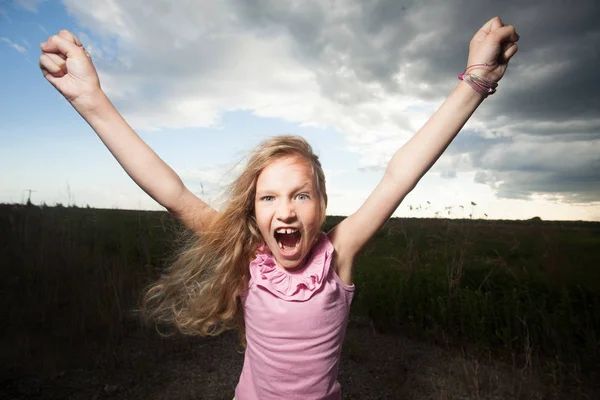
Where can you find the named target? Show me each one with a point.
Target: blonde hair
(199, 294)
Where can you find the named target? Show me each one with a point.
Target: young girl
(261, 264)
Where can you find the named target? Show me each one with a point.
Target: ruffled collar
(297, 285)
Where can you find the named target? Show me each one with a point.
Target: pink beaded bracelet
(484, 87)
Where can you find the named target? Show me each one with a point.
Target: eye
(267, 198)
(302, 196)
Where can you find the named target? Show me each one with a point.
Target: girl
(261, 264)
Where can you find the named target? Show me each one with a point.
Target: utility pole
(29, 197)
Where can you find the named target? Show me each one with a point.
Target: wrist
(483, 70)
(466, 92)
(482, 73)
(483, 85)
(90, 103)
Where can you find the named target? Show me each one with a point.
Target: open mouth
(288, 239)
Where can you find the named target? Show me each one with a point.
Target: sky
(203, 82)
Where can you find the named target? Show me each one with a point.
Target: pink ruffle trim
(297, 285)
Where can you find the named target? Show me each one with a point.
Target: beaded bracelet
(484, 87)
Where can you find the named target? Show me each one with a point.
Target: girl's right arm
(68, 67)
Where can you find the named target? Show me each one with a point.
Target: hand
(69, 68)
(494, 44)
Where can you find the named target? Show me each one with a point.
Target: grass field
(524, 292)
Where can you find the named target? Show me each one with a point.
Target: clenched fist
(69, 68)
(494, 44)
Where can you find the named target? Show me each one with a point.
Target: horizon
(437, 218)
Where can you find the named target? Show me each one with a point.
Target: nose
(286, 211)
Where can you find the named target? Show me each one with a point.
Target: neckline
(297, 285)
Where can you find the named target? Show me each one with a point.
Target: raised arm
(68, 67)
(494, 44)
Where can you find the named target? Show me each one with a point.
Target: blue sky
(203, 83)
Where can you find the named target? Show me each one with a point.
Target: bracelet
(484, 87)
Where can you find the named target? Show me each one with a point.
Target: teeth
(288, 230)
(280, 245)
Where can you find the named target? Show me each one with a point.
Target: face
(287, 209)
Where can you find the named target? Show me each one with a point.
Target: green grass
(512, 288)
(72, 277)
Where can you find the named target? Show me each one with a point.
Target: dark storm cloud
(556, 68)
(580, 187)
(543, 128)
(355, 36)
(516, 168)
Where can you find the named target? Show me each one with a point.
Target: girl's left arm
(494, 44)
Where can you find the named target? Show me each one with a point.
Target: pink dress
(295, 326)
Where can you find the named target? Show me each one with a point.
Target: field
(444, 309)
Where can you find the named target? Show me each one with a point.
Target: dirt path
(373, 366)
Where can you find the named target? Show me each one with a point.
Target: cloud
(4, 15)
(15, 46)
(374, 71)
(29, 5)
(562, 165)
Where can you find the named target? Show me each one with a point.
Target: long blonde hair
(199, 294)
